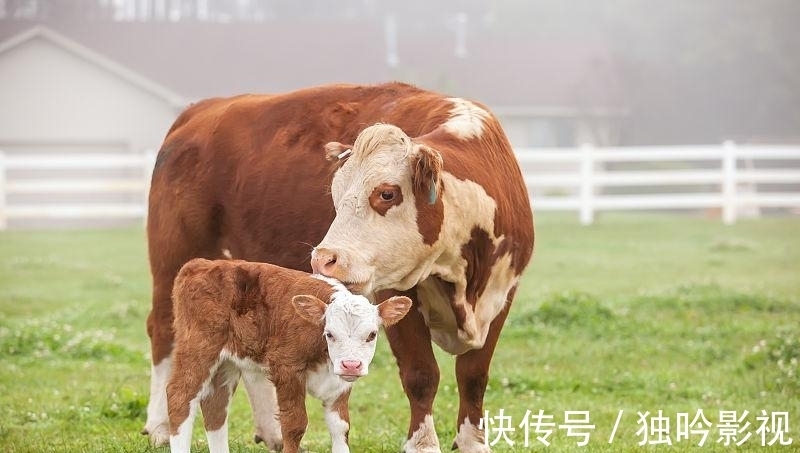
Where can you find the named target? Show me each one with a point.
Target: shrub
(780, 358)
(46, 337)
(567, 309)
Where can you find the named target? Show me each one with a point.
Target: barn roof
(200, 59)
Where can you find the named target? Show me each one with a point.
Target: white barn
(58, 97)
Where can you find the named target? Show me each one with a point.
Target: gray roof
(198, 60)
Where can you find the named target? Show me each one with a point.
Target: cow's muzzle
(325, 262)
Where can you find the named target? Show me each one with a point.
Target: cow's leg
(337, 417)
(410, 341)
(264, 403)
(472, 374)
(215, 407)
(291, 392)
(159, 328)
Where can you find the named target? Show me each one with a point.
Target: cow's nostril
(352, 365)
(324, 262)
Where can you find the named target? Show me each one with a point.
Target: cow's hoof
(274, 444)
(159, 435)
(411, 448)
(472, 448)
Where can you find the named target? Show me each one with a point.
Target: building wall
(53, 97)
(542, 131)
(57, 101)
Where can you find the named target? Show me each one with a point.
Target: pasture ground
(636, 313)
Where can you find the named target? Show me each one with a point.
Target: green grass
(633, 314)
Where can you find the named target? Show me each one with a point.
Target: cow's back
(246, 176)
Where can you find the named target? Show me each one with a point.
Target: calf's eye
(329, 336)
(387, 195)
(372, 336)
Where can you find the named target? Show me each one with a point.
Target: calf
(233, 319)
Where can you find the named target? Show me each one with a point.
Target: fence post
(148, 165)
(3, 222)
(587, 184)
(729, 204)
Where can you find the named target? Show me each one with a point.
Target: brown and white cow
(430, 203)
(236, 319)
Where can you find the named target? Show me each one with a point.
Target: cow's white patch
(157, 425)
(424, 439)
(338, 288)
(182, 442)
(218, 440)
(338, 429)
(469, 439)
(227, 254)
(350, 321)
(264, 403)
(438, 314)
(322, 384)
(466, 119)
(501, 280)
(388, 251)
(465, 203)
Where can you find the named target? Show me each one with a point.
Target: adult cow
(430, 203)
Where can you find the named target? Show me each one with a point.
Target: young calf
(235, 318)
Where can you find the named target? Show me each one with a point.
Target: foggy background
(616, 72)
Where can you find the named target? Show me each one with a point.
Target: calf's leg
(337, 417)
(215, 406)
(189, 382)
(291, 392)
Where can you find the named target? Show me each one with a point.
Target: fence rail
(727, 177)
(583, 175)
(136, 181)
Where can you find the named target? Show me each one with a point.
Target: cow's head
(387, 196)
(351, 326)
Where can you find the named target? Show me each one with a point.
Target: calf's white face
(351, 326)
(377, 240)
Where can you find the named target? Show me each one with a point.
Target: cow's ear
(310, 308)
(427, 166)
(335, 151)
(393, 309)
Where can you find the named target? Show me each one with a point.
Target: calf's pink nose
(324, 262)
(351, 365)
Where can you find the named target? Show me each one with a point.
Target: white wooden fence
(139, 166)
(727, 177)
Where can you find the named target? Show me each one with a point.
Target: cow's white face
(378, 239)
(351, 326)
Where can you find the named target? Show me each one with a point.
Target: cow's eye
(384, 197)
(372, 336)
(329, 336)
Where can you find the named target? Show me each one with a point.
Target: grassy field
(633, 317)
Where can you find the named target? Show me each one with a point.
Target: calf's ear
(393, 309)
(310, 308)
(427, 166)
(337, 151)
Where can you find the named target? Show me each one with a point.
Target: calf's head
(351, 326)
(387, 196)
